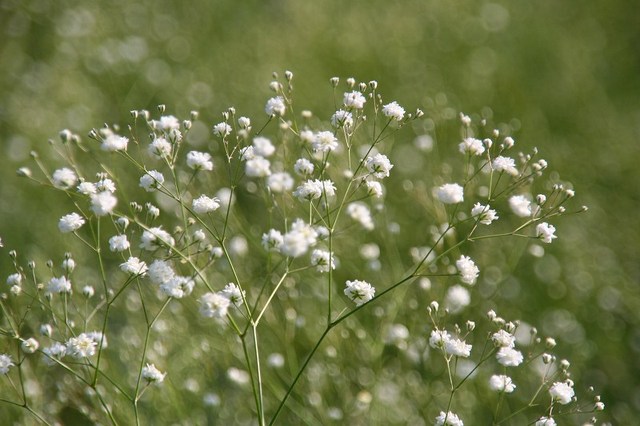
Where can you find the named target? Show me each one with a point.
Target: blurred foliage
(565, 75)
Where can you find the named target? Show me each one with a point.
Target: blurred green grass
(568, 72)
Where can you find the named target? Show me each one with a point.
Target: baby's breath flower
(545, 421)
(233, 293)
(546, 232)
(204, 204)
(88, 291)
(214, 305)
(457, 298)
(303, 167)
(322, 260)
(297, 241)
(324, 142)
(342, 118)
(501, 383)
(64, 178)
(450, 193)
(113, 142)
(509, 357)
(257, 167)
(5, 363)
(160, 147)
(379, 165)
(280, 182)
(504, 339)
(374, 188)
(105, 184)
(393, 111)
(30, 345)
(167, 122)
(160, 271)
(152, 375)
(471, 146)
(263, 147)
(504, 164)
(562, 392)
(119, 243)
(520, 205)
(275, 106)
(314, 189)
(103, 203)
(244, 122)
(468, 270)
(485, 214)
(359, 212)
(222, 129)
(134, 266)
(87, 188)
(177, 287)
(154, 238)
(272, 240)
(448, 419)
(151, 180)
(59, 285)
(354, 99)
(359, 292)
(457, 347)
(199, 160)
(14, 279)
(70, 222)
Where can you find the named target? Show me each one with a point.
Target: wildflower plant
(263, 266)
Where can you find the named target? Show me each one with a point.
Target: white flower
(359, 212)
(303, 167)
(275, 106)
(5, 363)
(448, 419)
(504, 164)
(59, 285)
(204, 204)
(152, 375)
(177, 287)
(263, 147)
(57, 351)
(457, 298)
(545, 421)
(119, 243)
(324, 142)
(359, 292)
(160, 271)
(509, 357)
(151, 180)
(167, 122)
(114, 142)
(233, 293)
(272, 240)
(546, 232)
(379, 165)
(322, 260)
(457, 347)
(88, 291)
(257, 167)
(154, 238)
(222, 129)
(297, 241)
(70, 222)
(160, 147)
(562, 392)
(214, 305)
(503, 338)
(471, 146)
(247, 153)
(30, 345)
(468, 270)
(355, 100)
(64, 178)
(501, 383)
(393, 111)
(87, 188)
(450, 193)
(374, 188)
(342, 118)
(14, 279)
(485, 214)
(307, 136)
(134, 266)
(314, 189)
(244, 122)
(280, 182)
(103, 203)
(438, 339)
(520, 205)
(199, 160)
(105, 184)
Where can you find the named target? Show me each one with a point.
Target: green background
(567, 71)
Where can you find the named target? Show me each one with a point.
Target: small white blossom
(160, 147)
(167, 122)
(505, 164)
(545, 421)
(87, 188)
(134, 266)
(154, 238)
(114, 142)
(471, 146)
(504, 339)
(562, 392)
(297, 241)
(438, 339)
(303, 167)
(247, 153)
(501, 383)
(342, 118)
(152, 375)
(468, 270)
(275, 106)
(177, 287)
(374, 188)
(30, 345)
(59, 285)
(119, 243)
(272, 240)
(485, 214)
(103, 203)
(324, 142)
(160, 271)
(379, 165)
(257, 167)
(457, 347)
(14, 279)
(199, 160)
(457, 298)
(70, 222)
(64, 178)
(546, 232)
(244, 122)
(509, 357)
(204, 204)
(448, 419)
(105, 184)
(314, 189)
(233, 293)
(222, 129)
(520, 205)
(359, 292)
(151, 180)
(214, 305)
(5, 363)
(355, 100)
(56, 351)
(263, 147)
(280, 182)
(359, 212)
(393, 111)
(450, 193)
(322, 260)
